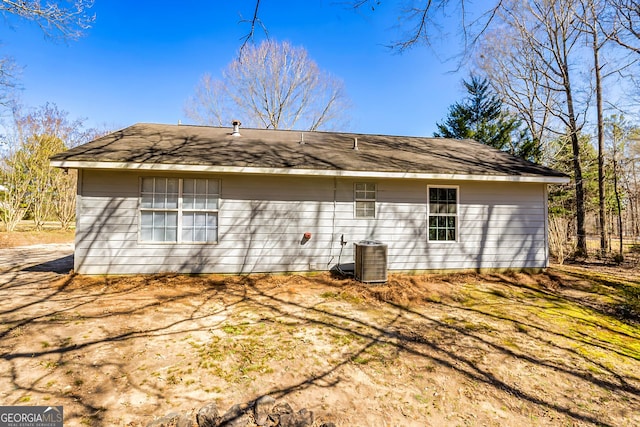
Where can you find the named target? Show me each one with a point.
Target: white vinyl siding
(262, 220)
(179, 210)
(364, 199)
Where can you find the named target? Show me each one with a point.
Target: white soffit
(303, 172)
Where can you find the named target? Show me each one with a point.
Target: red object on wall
(307, 235)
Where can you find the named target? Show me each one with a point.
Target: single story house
(193, 199)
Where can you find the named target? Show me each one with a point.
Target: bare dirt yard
(560, 348)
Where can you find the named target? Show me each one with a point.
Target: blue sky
(141, 61)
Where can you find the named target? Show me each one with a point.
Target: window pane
(201, 186)
(172, 201)
(158, 201)
(199, 202)
(365, 209)
(451, 234)
(365, 191)
(432, 234)
(146, 233)
(172, 219)
(212, 221)
(158, 219)
(199, 235)
(146, 201)
(160, 185)
(451, 222)
(147, 185)
(187, 234)
(188, 186)
(188, 201)
(172, 185)
(212, 202)
(158, 235)
(200, 220)
(172, 234)
(187, 220)
(441, 234)
(213, 187)
(146, 219)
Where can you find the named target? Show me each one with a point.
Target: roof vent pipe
(236, 128)
(355, 143)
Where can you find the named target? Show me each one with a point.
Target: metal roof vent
(236, 128)
(370, 261)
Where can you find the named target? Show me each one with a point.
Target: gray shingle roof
(283, 149)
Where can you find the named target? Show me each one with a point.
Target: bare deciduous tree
(626, 20)
(273, 86)
(32, 185)
(592, 27)
(507, 59)
(66, 20)
(41, 177)
(64, 184)
(15, 183)
(545, 36)
(558, 237)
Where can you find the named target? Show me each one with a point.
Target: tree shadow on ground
(132, 317)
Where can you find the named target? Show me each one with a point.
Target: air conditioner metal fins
(370, 261)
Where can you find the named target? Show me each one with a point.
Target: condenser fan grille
(370, 261)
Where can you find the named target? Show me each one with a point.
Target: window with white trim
(181, 210)
(365, 199)
(443, 213)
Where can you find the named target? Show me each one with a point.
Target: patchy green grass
(461, 349)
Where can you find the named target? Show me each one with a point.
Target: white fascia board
(302, 172)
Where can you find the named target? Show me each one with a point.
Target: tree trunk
(615, 190)
(581, 237)
(598, 81)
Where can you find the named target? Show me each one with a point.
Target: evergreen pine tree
(480, 117)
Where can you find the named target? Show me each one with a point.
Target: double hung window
(443, 213)
(365, 199)
(179, 210)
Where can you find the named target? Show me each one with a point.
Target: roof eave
(75, 164)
